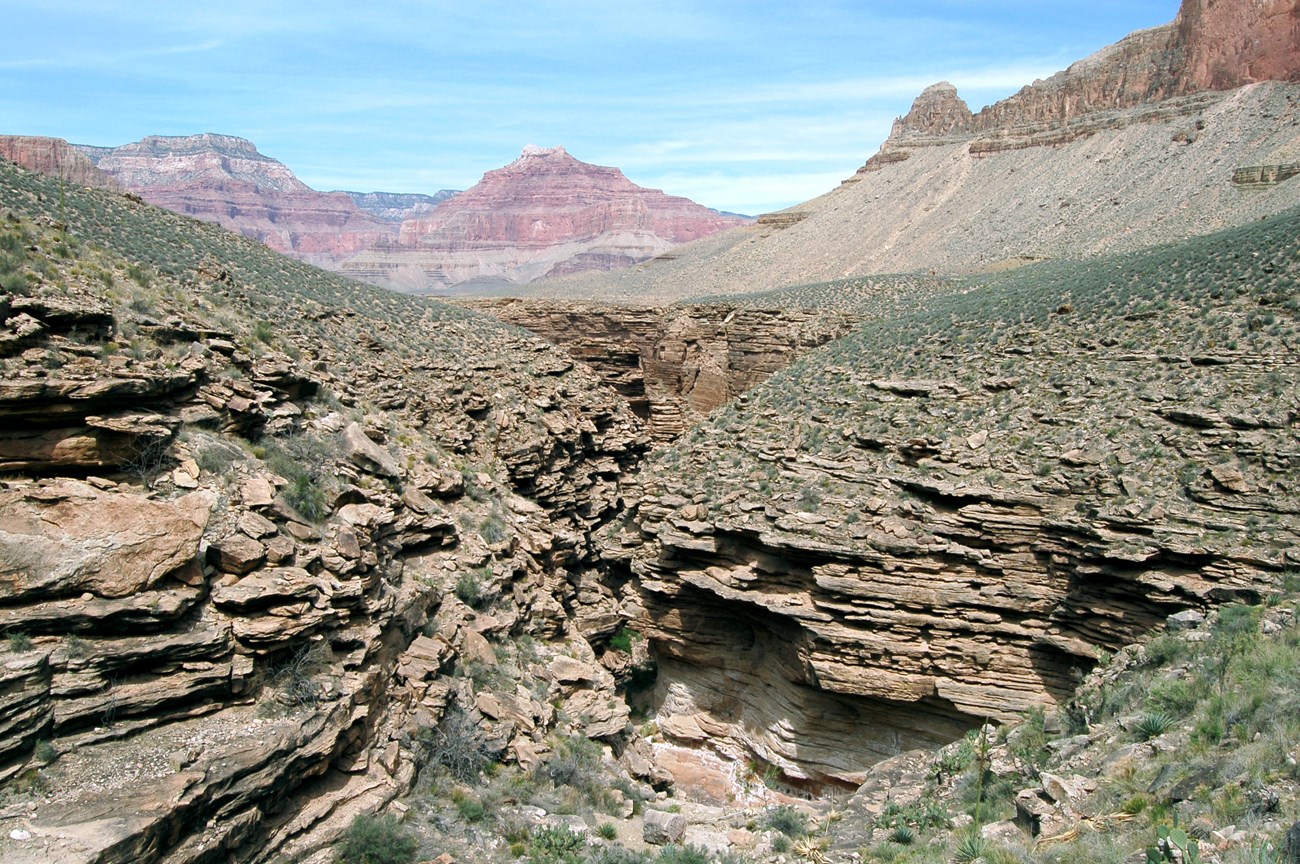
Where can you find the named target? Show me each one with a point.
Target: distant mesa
(544, 214)
(224, 179)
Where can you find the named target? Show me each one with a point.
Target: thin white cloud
(82, 60)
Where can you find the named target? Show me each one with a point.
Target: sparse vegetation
(376, 840)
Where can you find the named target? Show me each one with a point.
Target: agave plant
(1153, 725)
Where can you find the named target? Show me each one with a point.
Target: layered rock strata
(675, 365)
(233, 594)
(224, 179)
(947, 515)
(546, 213)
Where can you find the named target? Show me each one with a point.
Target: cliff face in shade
(55, 157)
(544, 213)
(224, 179)
(674, 364)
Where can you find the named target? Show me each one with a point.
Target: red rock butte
(544, 214)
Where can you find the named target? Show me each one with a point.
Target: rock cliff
(224, 179)
(399, 206)
(55, 157)
(544, 213)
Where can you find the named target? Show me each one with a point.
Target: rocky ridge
(545, 213)
(254, 518)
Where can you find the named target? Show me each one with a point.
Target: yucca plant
(1153, 725)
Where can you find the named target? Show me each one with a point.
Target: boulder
(659, 828)
(70, 538)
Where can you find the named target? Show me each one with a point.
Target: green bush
(1153, 725)
(673, 854)
(622, 641)
(307, 498)
(470, 809)
(787, 820)
(469, 588)
(376, 840)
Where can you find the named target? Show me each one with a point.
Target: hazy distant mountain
(546, 213)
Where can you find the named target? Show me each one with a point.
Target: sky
(746, 106)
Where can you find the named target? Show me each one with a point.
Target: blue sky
(742, 105)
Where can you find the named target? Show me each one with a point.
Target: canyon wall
(55, 157)
(674, 364)
(224, 179)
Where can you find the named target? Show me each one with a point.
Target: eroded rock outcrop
(675, 365)
(946, 515)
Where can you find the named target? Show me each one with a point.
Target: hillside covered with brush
(950, 513)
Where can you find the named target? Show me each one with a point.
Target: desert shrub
(295, 677)
(149, 457)
(673, 854)
(492, 529)
(302, 459)
(618, 855)
(787, 820)
(264, 332)
(376, 840)
(305, 496)
(573, 763)
(471, 809)
(1172, 696)
(18, 641)
(470, 589)
(216, 457)
(45, 752)
(555, 844)
(456, 744)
